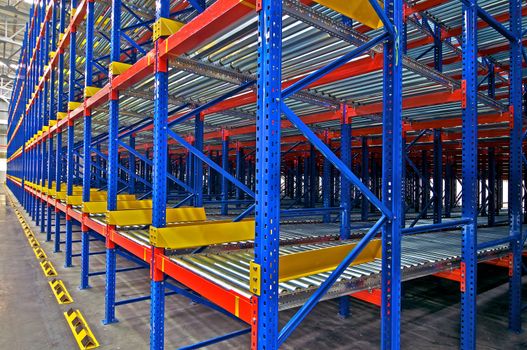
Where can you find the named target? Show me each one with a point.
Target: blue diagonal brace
(210, 163)
(149, 162)
(326, 285)
(326, 151)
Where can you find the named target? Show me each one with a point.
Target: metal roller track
(334, 28)
(422, 255)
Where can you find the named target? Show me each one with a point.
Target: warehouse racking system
(219, 142)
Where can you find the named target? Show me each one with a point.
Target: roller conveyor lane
(289, 233)
(422, 255)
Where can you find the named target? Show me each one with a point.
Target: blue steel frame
(113, 162)
(87, 140)
(392, 156)
(271, 104)
(515, 171)
(52, 116)
(159, 181)
(345, 193)
(70, 162)
(268, 182)
(469, 175)
(267, 211)
(225, 167)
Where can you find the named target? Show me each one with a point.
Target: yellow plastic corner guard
(144, 216)
(183, 236)
(32, 241)
(359, 10)
(48, 269)
(315, 261)
(61, 293)
(117, 68)
(165, 27)
(80, 329)
(101, 207)
(39, 253)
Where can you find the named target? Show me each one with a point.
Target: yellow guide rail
(144, 216)
(182, 236)
(359, 10)
(311, 262)
(76, 199)
(315, 261)
(101, 207)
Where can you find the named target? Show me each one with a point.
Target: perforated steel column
(159, 184)
(392, 155)
(112, 164)
(345, 195)
(469, 176)
(267, 215)
(515, 166)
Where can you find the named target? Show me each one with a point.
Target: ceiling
(13, 17)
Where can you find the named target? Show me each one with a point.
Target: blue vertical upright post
(515, 165)
(425, 180)
(365, 204)
(60, 108)
(71, 136)
(69, 192)
(87, 140)
(484, 188)
(306, 181)
(49, 186)
(131, 166)
(225, 166)
(36, 116)
(491, 81)
(469, 175)
(345, 193)
(58, 178)
(449, 195)
(197, 163)
(438, 48)
(313, 177)
(492, 186)
(99, 171)
(438, 177)
(239, 171)
(267, 214)
(38, 156)
(326, 182)
(159, 182)
(43, 166)
(45, 41)
(188, 171)
(404, 180)
(112, 164)
(392, 155)
(298, 179)
(52, 115)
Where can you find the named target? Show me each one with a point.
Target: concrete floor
(30, 317)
